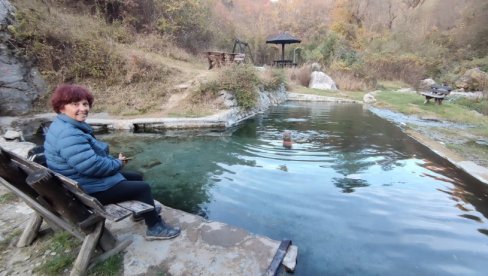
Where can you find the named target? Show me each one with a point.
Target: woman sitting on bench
(72, 150)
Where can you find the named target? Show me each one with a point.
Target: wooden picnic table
(219, 59)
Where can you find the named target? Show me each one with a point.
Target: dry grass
(128, 73)
(301, 75)
(407, 68)
(346, 80)
(161, 45)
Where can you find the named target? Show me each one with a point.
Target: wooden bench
(63, 205)
(284, 63)
(437, 92)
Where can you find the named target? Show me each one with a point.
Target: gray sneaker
(162, 231)
(140, 217)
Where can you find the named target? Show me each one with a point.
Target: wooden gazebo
(283, 38)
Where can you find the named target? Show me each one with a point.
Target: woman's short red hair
(69, 93)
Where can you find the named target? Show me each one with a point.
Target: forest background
(118, 47)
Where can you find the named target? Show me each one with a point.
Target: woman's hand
(123, 158)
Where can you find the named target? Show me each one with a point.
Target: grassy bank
(470, 141)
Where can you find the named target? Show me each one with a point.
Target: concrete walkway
(203, 248)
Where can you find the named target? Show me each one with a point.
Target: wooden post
(86, 251)
(278, 258)
(47, 214)
(30, 231)
(61, 200)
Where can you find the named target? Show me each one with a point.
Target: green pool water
(356, 195)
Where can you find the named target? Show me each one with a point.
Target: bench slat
(116, 213)
(136, 207)
(433, 95)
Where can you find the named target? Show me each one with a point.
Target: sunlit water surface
(356, 195)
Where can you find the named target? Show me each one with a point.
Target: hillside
(143, 57)
(129, 73)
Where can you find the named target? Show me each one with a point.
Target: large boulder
(320, 80)
(20, 84)
(473, 80)
(425, 84)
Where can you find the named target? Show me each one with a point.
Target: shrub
(272, 79)
(347, 80)
(65, 47)
(408, 68)
(241, 80)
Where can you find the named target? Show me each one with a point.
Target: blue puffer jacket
(72, 151)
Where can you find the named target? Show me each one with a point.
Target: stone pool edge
(469, 167)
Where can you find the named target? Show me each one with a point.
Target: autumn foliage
(383, 39)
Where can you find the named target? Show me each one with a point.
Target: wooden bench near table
(437, 92)
(62, 204)
(284, 63)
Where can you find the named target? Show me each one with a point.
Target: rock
(482, 142)
(6, 14)
(20, 148)
(13, 135)
(20, 84)
(369, 98)
(320, 80)
(290, 260)
(426, 84)
(227, 99)
(473, 80)
(478, 95)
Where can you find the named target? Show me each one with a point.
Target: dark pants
(134, 188)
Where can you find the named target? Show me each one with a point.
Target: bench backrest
(440, 89)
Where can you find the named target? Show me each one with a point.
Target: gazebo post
(283, 51)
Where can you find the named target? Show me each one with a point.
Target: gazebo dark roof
(283, 38)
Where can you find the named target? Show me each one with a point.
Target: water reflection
(356, 195)
(465, 191)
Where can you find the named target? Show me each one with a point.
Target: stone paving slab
(203, 248)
